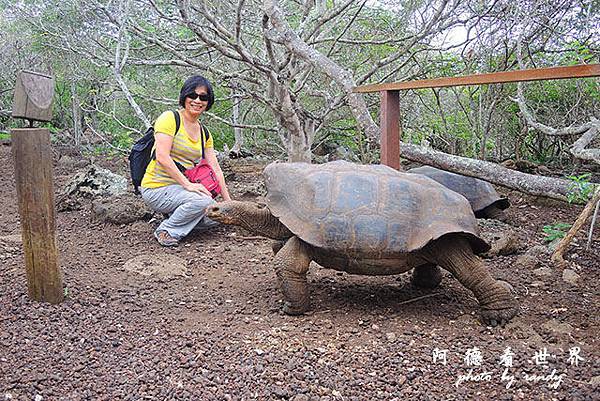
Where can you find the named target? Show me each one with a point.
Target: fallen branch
(408, 301)
(558, 255)
(252, 238)
(528, 183)
(589, 242)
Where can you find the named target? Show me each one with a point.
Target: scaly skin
(252, 216)
(454, 254)
(291, 264)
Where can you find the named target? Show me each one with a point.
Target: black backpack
(141, 154)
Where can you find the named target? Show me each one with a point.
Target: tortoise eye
(261, 205)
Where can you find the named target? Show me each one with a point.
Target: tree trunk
(342, 77)
(237, 131)
(76, 110)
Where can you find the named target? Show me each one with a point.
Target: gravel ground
(216, 332)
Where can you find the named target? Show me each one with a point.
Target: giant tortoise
(370, 220)
(484, 200)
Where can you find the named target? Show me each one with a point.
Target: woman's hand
(196, 187)
(211, 158)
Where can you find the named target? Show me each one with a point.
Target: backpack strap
(177, 121)
(177, 126)
(203, 137)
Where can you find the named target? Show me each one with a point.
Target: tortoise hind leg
(428, 275)
(455, 254)
(492, 212)
(291, 265)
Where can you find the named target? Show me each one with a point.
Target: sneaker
(165, 239)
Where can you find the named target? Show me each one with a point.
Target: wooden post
(390, 128)
(35, 194)
(35, 186)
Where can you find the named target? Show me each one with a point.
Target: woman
(164, 187)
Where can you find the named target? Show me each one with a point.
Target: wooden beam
(575, 71)
(35, 197)
(390, 129)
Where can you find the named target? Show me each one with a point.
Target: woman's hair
(189, 87)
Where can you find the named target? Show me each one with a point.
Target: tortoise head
(255, 217)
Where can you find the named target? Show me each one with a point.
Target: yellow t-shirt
(184, 151)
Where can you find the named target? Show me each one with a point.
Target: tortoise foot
(294, 310)
(499, 317)
(501, 306)
(426, 276)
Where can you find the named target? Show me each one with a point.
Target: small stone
(527, 261)
(259, 351)
(570, 276)
(279, 392)
(555, 326)
(11, 239)
(543, 271)
(390, 336)
(375, 327)
(595, 381)
(300, 397)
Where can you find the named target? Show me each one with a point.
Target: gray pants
(186, 209)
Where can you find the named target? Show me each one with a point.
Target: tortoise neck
(264, 223)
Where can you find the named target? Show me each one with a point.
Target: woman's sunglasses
(203, 97)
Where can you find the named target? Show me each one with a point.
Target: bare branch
(578, 148)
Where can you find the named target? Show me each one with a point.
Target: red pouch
(204, 174)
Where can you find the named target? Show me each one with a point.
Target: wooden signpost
(35, 186)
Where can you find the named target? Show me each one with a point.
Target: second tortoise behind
(484, 200)
(370, 220)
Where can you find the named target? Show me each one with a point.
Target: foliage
(80, 43)
(580, 189)
(555, 231)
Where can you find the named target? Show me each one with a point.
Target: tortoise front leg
(291, 264)
(497, 303)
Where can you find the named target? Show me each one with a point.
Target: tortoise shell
(479, 193)
(366, 210)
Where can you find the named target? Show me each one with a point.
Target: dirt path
(218, 333)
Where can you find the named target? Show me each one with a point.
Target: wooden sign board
(33, 96)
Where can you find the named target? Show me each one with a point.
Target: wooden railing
(390, 99)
